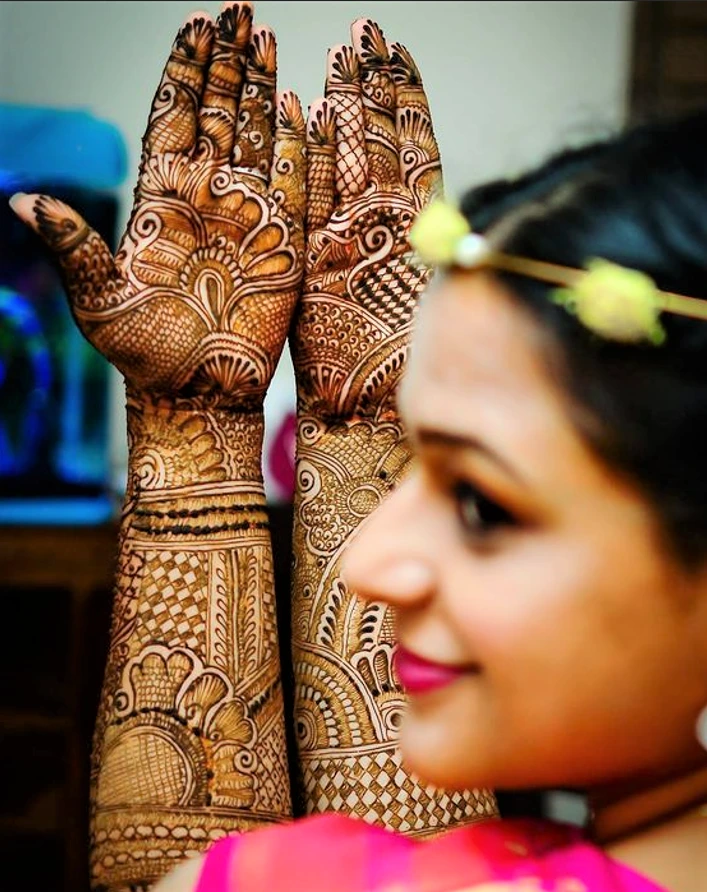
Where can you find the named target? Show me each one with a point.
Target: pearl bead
(471, 251)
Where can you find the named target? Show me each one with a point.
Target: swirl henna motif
(194, 310)
(373, 165)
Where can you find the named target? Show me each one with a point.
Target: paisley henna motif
(194, 311)
(349, 346)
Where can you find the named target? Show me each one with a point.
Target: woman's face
(514, 558)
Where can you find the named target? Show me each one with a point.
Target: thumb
(87, 266)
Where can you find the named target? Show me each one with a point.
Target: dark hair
(640, 200)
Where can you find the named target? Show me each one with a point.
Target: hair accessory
(614, 302)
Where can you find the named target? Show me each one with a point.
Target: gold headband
(617, 303)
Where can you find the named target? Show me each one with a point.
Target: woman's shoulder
(333, 853)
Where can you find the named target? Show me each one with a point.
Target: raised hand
(194, 310)
(373, 164)
(196, 303)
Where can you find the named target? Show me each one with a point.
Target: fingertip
(289, 111)
(265, 32)
(243, 6)
(342, 68)
(321, 122)
(22, 204)
(262, 54)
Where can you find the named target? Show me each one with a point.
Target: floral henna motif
(202, 307)
(175, 108)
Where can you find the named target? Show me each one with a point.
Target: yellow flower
(617, 303)
(437, 232)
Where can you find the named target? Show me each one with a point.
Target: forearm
(190, 740)
(347, 700)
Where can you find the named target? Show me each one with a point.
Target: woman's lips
(418, 675)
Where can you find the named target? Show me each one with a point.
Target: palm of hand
(373, 164)
(197, 302)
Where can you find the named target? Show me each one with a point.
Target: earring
(702, 728)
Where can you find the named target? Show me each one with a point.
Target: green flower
(617, 303)
(437, 232)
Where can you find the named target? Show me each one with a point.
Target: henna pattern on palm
(373, 164)
(197, 302)
(194, 311)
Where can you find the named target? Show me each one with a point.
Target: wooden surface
(55, 590)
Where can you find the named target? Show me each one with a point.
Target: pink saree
(331, 853)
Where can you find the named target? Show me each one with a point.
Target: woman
(545, 556)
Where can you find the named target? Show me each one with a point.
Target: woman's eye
(478, 514)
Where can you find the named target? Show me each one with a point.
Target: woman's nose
(388, 559)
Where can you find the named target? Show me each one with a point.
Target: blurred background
(508, 83)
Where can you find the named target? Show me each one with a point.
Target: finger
(219, 104)
(420, 165)
(343, 89)
(254, 132)
(172, 123)
(87, 266)
(321, 161)
(289, 169)
(378, 92)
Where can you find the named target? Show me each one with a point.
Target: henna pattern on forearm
(348, 702)
(349, 349)
(190, 739)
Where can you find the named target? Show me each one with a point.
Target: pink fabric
(331, 853)
(216, 874)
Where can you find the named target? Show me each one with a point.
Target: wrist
(173, 449)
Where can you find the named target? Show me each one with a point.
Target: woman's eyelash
(478, 514)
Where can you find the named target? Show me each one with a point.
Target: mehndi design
(373, 164)
(194, 311)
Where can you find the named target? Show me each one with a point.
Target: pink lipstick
(417, 675)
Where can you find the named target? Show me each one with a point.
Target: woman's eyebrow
(428, 436)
